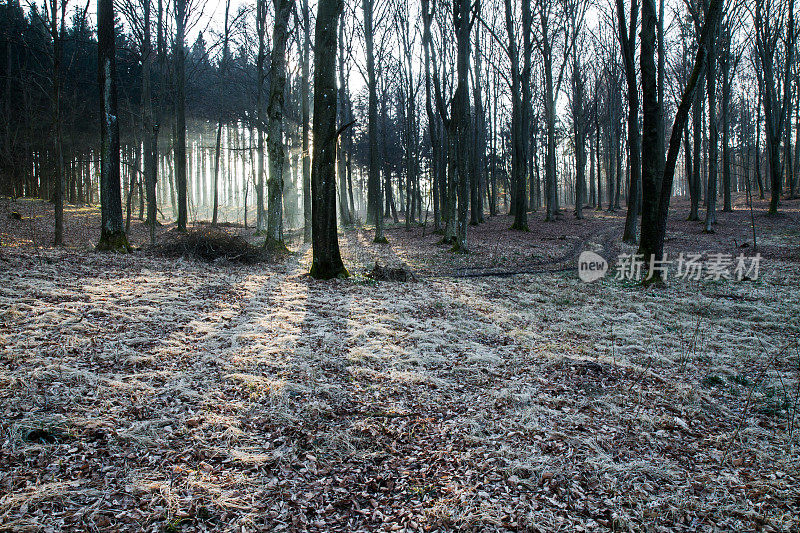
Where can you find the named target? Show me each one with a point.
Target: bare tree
(55, 12)
(305, 113)
(326, 259)
(223, 67)
(627, 40)
(681, 116)
(374, 203)
(112, 236)
(180, 110)
(277, 156)
(261, 76)
(554, 33)
(769, 19)
(344, 119)
(520, 95)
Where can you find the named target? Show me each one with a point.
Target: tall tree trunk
(725, 68)
(261, 29)
(592, 189)
(374, 203)
(479, 165)
(714, 14)
(344, 212)
(57, 34)
(628, 45)
(462, 23)
(222, 70)
(579, 138)
(550, 179)
(112, 236)
(305, 113)
(150, 129)
(652, 158)
(713, 134)
(277, 155)
(599, 206)
(517, 132)
(520, 103)
(433, 121)
(695, 191)
(796, 159)
(788, 74)
(373, 180)
(326, 259)
(180, 112)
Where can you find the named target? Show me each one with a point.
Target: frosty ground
(139, 393)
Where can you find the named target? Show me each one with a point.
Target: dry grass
(183, 394)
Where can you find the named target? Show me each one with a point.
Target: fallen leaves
(140, 394)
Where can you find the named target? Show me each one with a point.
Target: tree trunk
(579, 137)
(222, 70)
(180, 112)
(374, 203)
(551, 195)
(713, 134)
(261, 29)
(479, 174)
(57, 34)
(150, 129)
(277, 155)
(462, 23)
(305, 113)
(628, 45)
(725, 68)
(433, 121)
(652, 159)
(519, 113)
(133, 174)
(112, 236)
(326, 259)
(344, 211)
(714, 14)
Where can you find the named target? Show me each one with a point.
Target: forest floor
(139, 393)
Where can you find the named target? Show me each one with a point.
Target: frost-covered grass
(138, 393)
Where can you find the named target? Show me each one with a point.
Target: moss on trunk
(116, 242)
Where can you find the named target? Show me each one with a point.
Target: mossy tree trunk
(277, 155)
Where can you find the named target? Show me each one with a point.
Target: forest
(399, 265)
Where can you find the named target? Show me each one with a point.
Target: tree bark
(579, 132)
(261, 29)
(462, 23)
(277, 155)
(652, 158)
(150, 128)
(714, 14)
(628, 45)
(344, 211)
(713, 134)
(326, 258)
(57, 34)
(433, 121)
(222, 70)
(305, 113)
(180, 112)
(112, 236)
(518, 159)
